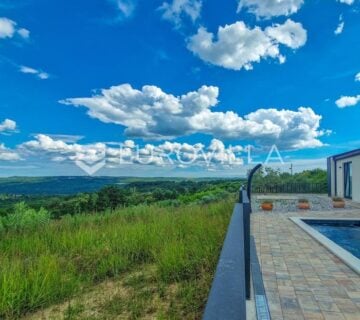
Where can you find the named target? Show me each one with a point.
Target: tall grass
(42, 266)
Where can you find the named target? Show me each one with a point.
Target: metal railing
(291, 188)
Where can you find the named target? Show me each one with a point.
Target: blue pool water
(346, 234)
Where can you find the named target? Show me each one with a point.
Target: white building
(344, 175)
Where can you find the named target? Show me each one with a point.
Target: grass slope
(65, 258)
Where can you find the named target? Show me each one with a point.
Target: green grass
(61, 259)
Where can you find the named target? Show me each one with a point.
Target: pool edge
(349, 259)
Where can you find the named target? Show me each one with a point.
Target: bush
(2, 227)
(336, 199)
(303, 201)
(24, 217)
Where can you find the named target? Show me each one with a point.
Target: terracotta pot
(304, 205)
(267, 206)
(339, 204)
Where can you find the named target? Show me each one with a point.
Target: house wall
(332, 173)
(355, 178)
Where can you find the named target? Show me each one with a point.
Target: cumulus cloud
(348, 101)
(167, 153)
(340, 28)
(178, 9)
(38, 73)
(8, 29)
(89, 153)
(271, 8)
(152, 113)
(237, 46)
(7, 126)
(291, 34)
(7, 154)
(357, 77)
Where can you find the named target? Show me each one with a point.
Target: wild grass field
(137, 262)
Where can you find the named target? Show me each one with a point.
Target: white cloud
(271, 8)
(357, 77)
(178, 9)
(7, 154)
(125, 7)
(72, 151)
(348, 101)
(349, 2)
(291, 34)
(236, 46)
(40, 74)
(152, 113)
(24, 33)
(340, 27)
(8, 29)
(168, 153)
(64, 137)
(7, 126)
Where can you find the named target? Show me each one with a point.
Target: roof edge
(347, 154)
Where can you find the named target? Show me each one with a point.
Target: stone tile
(308, 303)
(289, 304)
(333, 316)
(351, 316)
(294, 316)
(346, 305)
(311, 315)
(328, 306)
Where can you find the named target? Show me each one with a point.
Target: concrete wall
(340, 177)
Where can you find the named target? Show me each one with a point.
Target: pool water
(346, 234)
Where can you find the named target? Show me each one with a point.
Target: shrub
(303, 201)
(24, 217)
(337, 199)
(2, 227)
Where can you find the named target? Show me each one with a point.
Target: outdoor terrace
(302, 278)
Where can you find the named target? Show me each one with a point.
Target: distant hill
(56, 185)
(67, 185)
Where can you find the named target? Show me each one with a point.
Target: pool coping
(342, 254)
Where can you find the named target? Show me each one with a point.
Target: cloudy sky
(132, 87)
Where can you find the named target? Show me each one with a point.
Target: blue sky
(80, 77)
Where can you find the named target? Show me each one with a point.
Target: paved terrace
(302, 279)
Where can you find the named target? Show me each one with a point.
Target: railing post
(244, 201)
(251, 174)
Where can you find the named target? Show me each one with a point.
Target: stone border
(344, 255)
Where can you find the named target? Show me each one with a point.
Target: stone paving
(302, 279)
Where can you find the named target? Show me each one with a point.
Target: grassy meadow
(160, 259)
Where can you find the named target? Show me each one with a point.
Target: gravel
(288, 203)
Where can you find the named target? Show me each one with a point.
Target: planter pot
(339, 204)
(267, 206)
(304, 205)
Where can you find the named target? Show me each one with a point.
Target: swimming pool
(344, 233)
(341, 236)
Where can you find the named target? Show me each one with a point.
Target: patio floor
(302, 279)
